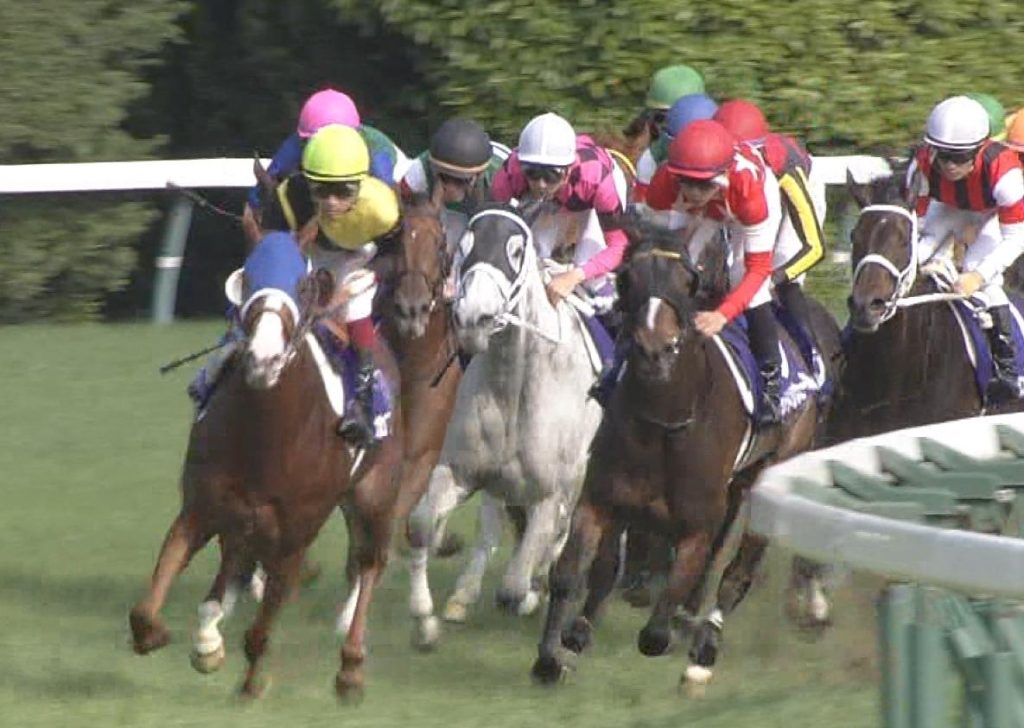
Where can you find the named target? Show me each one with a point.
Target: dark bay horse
(265, 469)
(665, 460)
(905, 365)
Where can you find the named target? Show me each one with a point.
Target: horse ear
(316, 290)
(861, 192)
(916, 187)
(262, 176)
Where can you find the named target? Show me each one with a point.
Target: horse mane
(645, 236)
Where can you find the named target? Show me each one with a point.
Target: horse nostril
(425, 308)
(877, 305)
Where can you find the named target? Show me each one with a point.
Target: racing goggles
(954, 156)
(344, 190)
(540, 172)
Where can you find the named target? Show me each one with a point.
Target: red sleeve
(758, 268)
(663, 190)
(746, 195)
(920, 164)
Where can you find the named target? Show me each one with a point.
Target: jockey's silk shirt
(749, 201)
(374, 215)
(995, 185)
(590, 185)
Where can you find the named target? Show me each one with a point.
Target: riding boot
(357, 425)
(201, 388)
(764, 343)
(791, 296)
(1003, 387)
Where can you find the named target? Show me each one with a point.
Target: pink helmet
(327, 107)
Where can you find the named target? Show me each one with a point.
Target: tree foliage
(843, 74)
(71, 70)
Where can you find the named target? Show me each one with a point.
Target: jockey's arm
(797, 198)
(286, 160)
(1009, 195)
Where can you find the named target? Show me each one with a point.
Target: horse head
(275, 294)
(658, 286)
(422, 264)
(492, 265)
(884, 255)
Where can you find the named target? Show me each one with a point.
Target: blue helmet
(688, 109)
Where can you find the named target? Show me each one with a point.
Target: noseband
(906, 277)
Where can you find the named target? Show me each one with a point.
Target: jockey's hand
(967, 284)
(563, 284)
(710, 323)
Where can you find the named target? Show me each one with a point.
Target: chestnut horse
(665, 460)
(265, 469)
(416, 322)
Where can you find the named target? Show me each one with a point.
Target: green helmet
(995, 110)
(671, 83)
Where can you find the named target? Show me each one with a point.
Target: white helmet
(549, 140)
(958, 122)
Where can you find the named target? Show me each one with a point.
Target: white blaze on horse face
(265, 357)
(653, 306)
(476, 309)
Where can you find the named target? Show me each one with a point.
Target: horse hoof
(255, 688)
(148, 634)
(426, 633)
(455, 612)
(695, 681)
(210, 662)
(350, 687)
(653, 642)
(549, 670)
(576, 637)
(508, 601)
(704, 651)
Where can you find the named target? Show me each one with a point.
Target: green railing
(938, 510)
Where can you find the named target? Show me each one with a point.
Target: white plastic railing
(975, 563)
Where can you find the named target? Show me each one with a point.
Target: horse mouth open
(865, 318)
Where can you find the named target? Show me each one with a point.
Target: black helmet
(461, 148)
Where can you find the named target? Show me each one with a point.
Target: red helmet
(744, 119)
(703, 150)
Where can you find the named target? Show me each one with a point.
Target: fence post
(168, 262)
(929, 665)
(895, 615)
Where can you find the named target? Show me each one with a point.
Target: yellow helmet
(336, 153)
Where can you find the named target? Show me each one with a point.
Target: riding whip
(172, 365)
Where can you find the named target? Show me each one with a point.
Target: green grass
(92, 444)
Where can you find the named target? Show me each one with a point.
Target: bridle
(444, 260)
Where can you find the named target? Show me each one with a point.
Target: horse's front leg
(426, 525)
(183, 539)
(208, 651)
(736, 582)
(540, 539)
(282, 578)
(590, 524)
(490, 526)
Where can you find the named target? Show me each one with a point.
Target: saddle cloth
(976, 342)
(340, 387)
(799, 381)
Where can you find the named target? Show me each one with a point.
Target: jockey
(712, 177)
(1015, 134)
(684, 110)
(322, 108)
(462, 159)
(667, 85)
(963, 180)
(345, 212)
(552, 163)
(800, 245)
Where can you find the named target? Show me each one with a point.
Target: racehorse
(522, 421)
(905, 359)
(264, 469)
(417, 324)
(667, 459)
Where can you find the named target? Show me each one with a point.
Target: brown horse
(904, 365)
(665, 460)
(264, 468)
